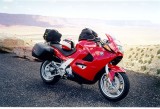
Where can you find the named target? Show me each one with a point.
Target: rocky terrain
(21, 47)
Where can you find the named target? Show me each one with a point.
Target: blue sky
(99, 9)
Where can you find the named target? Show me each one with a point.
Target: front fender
(113, 69)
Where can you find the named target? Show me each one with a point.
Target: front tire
(46, 74)
(117, 90)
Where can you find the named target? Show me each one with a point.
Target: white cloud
(29, 9)
(8, 0)
(5, 7)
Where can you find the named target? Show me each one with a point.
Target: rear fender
(112, 70)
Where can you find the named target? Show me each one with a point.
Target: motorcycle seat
(64, 52)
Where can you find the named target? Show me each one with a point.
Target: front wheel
(47, 72)
(115, 90)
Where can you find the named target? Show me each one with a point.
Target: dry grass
(158, 52)
(158, 71)
(143, 68)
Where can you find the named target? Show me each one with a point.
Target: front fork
(111, 70)
(108, 74)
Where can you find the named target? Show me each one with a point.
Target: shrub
(158, 71)
(142, 51)
(135, 56)
(129, 56)
(151, 49)
(158, 52)
(143, 68)
(140, 61)
(138, 49)
(149, 61)
(145, 61)
(131, 49)
(142, 54)
(158, 57)
(132, 64)
(147, 55)
(152, 56)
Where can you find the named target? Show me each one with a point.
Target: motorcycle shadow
(74, 94)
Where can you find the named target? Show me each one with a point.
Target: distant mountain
(48, 21)
(21, 19)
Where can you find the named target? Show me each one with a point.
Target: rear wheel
(48, 73)
(115, 90)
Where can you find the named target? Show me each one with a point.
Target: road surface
(21, 85)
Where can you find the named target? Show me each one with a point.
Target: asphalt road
(21, 85)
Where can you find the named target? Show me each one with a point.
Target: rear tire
(46, 75)
(120, 89)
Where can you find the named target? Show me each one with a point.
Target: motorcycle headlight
(107, 47)
(120, 48)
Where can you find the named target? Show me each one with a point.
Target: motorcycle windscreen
(112, 43)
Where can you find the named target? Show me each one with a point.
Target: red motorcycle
(90, 61)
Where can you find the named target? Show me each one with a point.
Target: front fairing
(114, 44)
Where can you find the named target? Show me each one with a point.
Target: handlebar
(98, 39)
